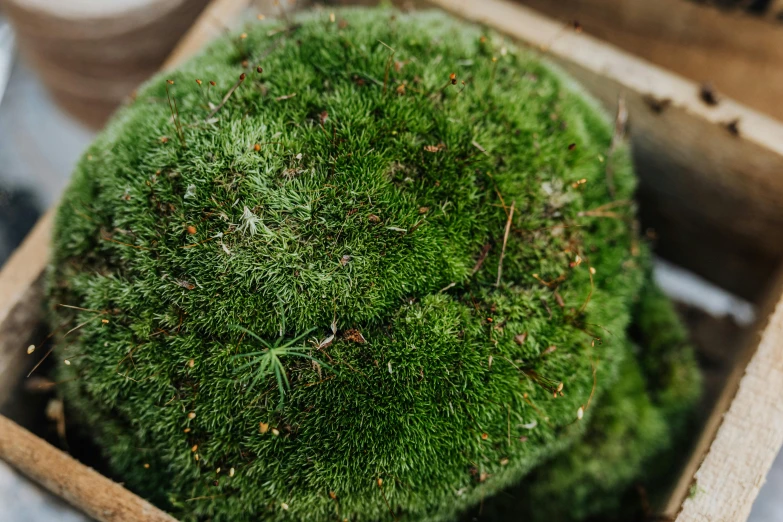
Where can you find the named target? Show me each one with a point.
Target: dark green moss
(619, 469)
(354, 186)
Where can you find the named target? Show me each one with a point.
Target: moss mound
(381, 278)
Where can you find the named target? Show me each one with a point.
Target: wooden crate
(715, 193)
(741, 53)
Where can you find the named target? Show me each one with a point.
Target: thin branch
(482, 257)
(227, 96)
(505, 240)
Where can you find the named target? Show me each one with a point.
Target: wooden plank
(20, 308)
(715, 198)
(218, 16)
(748, 440)
(740, 53)
(748, 346)
(83, 487)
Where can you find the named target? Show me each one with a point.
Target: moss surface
(634, 442)
(212, 249)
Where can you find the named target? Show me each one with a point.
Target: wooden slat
(20, 308)
(83, 487)
(740, 53)
(729, 478)
(214, 21)
(748, 347)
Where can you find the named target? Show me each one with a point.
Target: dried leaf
(354, 335)
(326, 342)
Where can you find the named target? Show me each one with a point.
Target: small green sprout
(268, 361)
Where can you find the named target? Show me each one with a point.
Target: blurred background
(65, 65)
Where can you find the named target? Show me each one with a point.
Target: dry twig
(505, 240)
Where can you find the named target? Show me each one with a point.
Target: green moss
(618, 469)
(375, 188)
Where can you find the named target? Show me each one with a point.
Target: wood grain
(747, 442)
(83, 487)
(20, 307)
(740, 53)
(748, 347)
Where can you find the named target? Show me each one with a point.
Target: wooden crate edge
(81, 486)
(725, 477)
(733, 49)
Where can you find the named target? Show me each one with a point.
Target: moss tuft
(288, 284)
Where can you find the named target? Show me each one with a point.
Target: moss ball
(368, 267)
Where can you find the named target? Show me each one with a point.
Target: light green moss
(375, 186)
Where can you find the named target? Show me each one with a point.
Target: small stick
(388, 65)
(479, 147)
(494, 70)
(228, 95)
(123, 244)
(175, 114)
(505, 240)
(81, 309)
(97, 496)
(380, 486)
(209, 91)
(482, 257)
(590, 271)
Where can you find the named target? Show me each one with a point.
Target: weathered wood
(217, 17)
(740, 53)
(83, 487)
(748, 440)
(715, 198)
(748, 346)
(20, 307)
